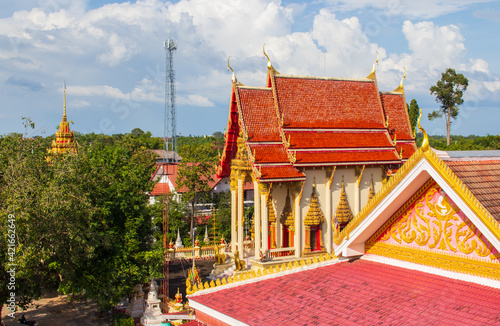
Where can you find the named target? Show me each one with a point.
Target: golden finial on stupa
(372, 74)
(400, 88)
(425, 141)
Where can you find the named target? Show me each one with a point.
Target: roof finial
(372, 74)
(400, 88)
(64, 99)
(269, 65)
(425, 141)
(233, 78)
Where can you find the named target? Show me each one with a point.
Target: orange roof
(317, 121)
(259, 114)
(170, 170)
(160, 189)
(308, 102)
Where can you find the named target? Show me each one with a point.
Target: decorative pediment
(271, 215)
(343, 215)
(314, 215)
(287, 214)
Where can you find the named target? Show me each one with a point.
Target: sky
(111, 56)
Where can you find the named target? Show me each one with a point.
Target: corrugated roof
(357, 293)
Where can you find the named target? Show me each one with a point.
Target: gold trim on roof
(425, 141)
(445, 172)
(269, 65)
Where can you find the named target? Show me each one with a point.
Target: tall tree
(449, 91)
(413, 113)
(195, 174)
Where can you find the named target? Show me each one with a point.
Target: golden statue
(178, 297)
(192, 280)
(220, 257)
(239, 264)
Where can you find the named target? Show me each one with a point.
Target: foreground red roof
(357, 293)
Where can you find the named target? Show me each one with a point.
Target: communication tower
(170, 125)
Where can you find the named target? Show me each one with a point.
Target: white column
(328, 211)
(298, 225)
(265, 222)
(234, 203)
(256, 202)
(240, 216)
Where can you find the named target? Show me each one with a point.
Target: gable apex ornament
(400, 88)
(372, 74)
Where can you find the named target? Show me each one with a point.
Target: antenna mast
(170, 124)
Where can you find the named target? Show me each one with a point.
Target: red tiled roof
(231, 136)
(408, 148)
(171, 171)
(328, 103)
(483, 180)
(259, 114)
(338, 139)
(357, 293)
(269, 153)
(366, 156)
(399, 121)
(287, 172)
(160, 189)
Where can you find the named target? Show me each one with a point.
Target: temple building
(316, 150)
(425, 250)
(65, 139)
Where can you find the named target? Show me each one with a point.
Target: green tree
(413, 113)
(449, 91)
(195, 175)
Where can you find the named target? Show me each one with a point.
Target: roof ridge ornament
(425, 141)
(233, 78)
(400, 88)
(269, 65)
(372, 74)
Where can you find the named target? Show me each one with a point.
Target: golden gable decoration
(287, 214)
(343, 215)
(314, 216)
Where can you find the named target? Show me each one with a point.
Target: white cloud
(416, 9)
(78, 104)
(195, 100)
(136, 95)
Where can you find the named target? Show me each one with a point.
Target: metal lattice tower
(170, 123)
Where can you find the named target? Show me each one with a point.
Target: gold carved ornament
(287, 217)
(314, 216)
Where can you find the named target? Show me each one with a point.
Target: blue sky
(111, 55)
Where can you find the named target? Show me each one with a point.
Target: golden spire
(343, 213)
(372, 74)
(64, 99)
(314, 214)
(400, 88)
(425, 141)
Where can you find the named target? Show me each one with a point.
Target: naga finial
(372, 74)
(233, 78)
(269, 65)
(400, 88)
(425, 141)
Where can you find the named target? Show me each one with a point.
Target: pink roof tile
(357, 293)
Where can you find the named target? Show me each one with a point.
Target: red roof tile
(231, 136)
(483, 180)
(357, 293)
(338, 139)
(365, 156)
(160, 189)
(285, 172)
(269, 153)
(171, 172)
(328, 103)
(258, 114)
(399, 121)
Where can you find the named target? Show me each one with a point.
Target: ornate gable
(430, 229)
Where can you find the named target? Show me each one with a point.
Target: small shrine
(136, 306)
(152, 315)
(178, 241)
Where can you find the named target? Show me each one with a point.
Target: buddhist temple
(383, 233)
(65, 140)
(310, 145)
(425, 250)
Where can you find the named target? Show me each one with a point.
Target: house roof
(360, 292)
(310, 120)
(170, 170)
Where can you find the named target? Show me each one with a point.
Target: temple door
(285, 237)
(314, 238)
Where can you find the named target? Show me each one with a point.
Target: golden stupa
(65, 139)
